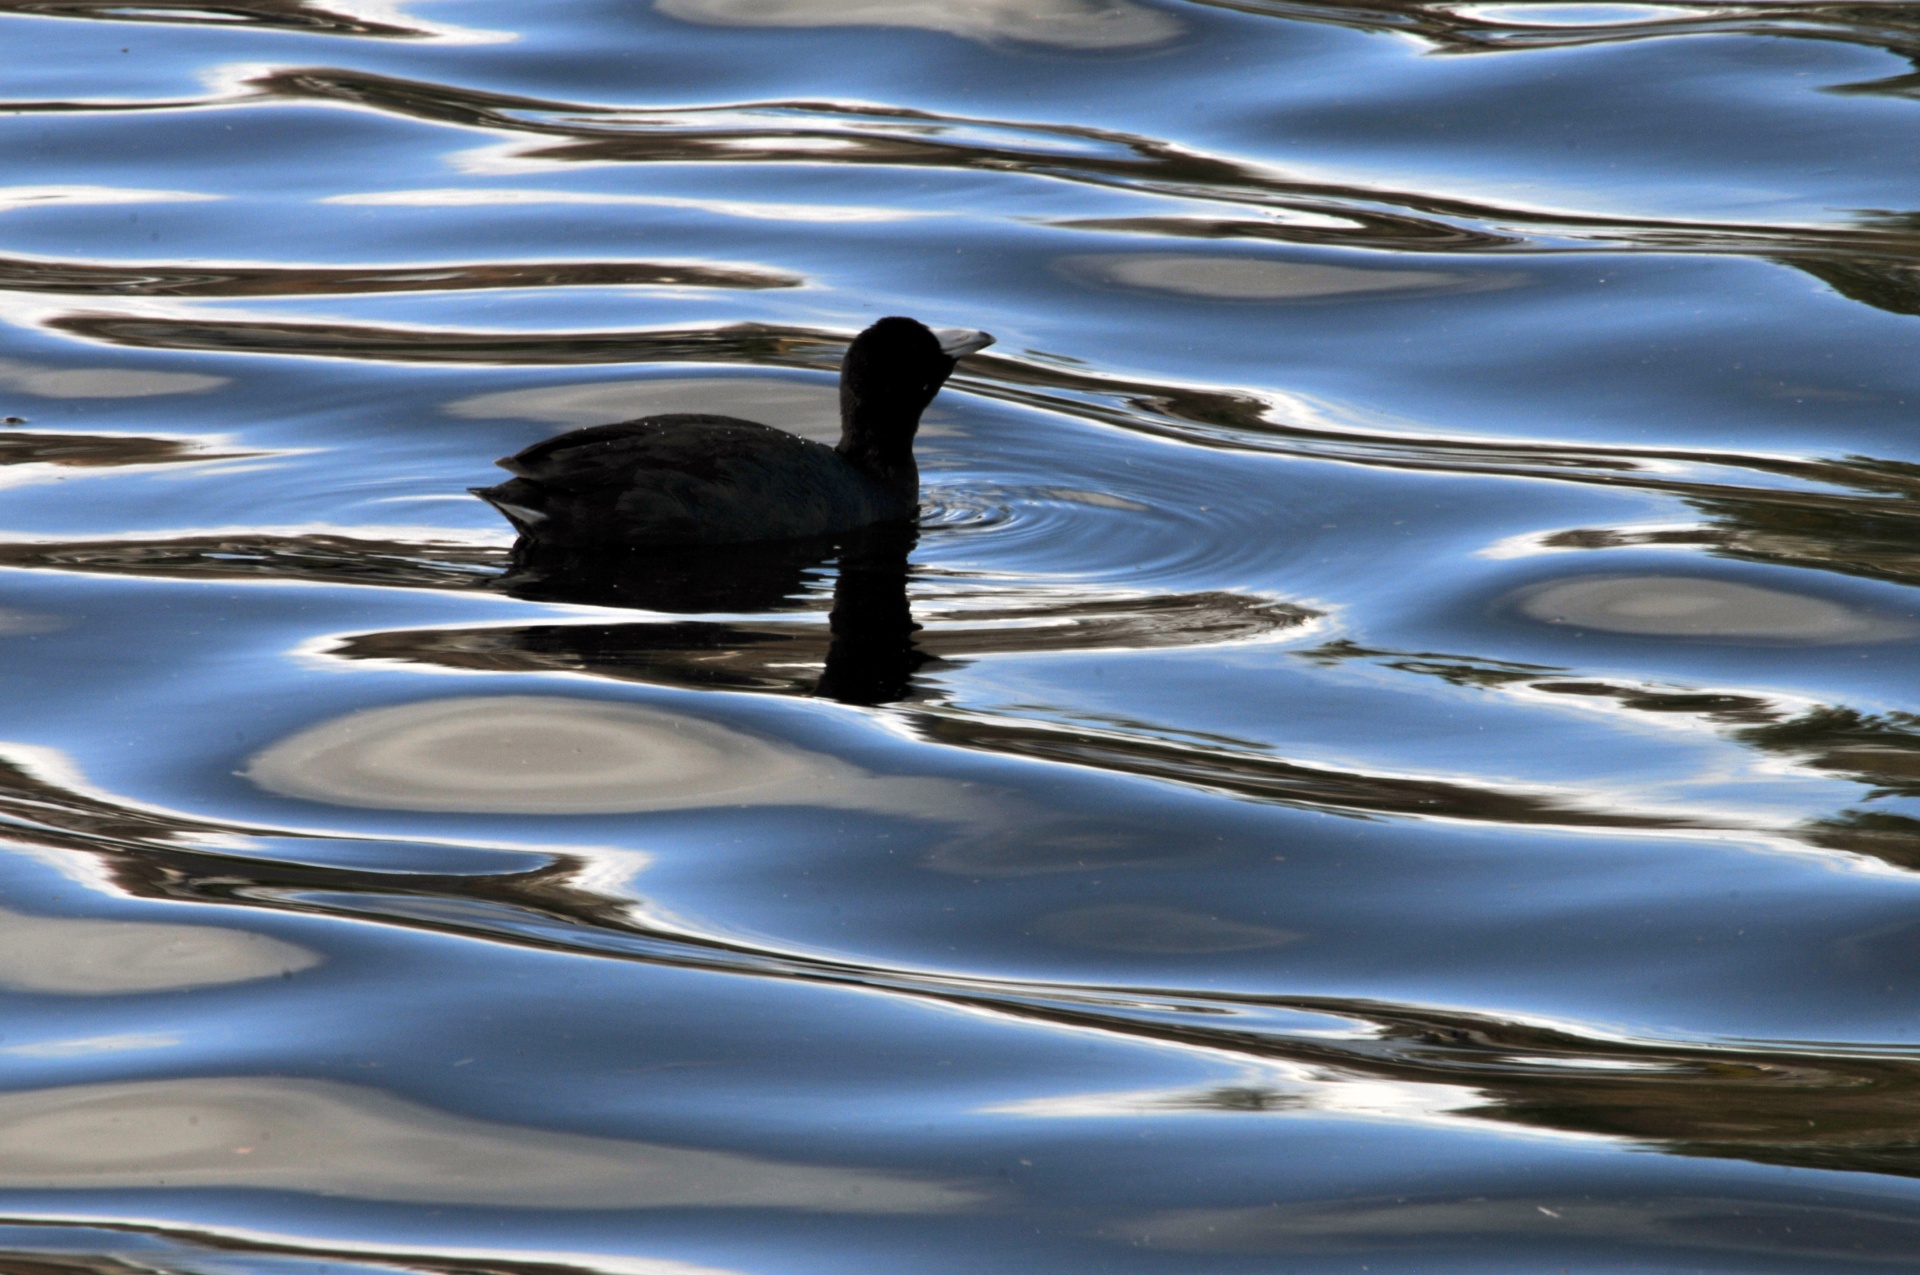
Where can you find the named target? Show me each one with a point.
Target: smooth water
(1410, 760)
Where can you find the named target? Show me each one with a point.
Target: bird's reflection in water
(870, 660)
(873, 655)
(680, 579)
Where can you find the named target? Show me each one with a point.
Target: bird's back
(687, 479)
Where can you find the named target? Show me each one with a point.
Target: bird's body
(686, 479)
(694, 479)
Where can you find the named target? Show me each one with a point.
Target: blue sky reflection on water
(1407, 761)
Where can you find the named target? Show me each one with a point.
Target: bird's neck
(883, 454)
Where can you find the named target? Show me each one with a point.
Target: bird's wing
(697, 446)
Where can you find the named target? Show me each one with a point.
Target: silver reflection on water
(482, 197)
(1070, 24)
(80, 956)
(12, 197)
(1264, 279)
(327, 1138)
(1695, 606)
(1147, 930)
(810, 409)
(208, 1247)
(1576, 15)
(539, 754)
(102, 382)
(20, 623)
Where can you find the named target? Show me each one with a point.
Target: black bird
(689, 479)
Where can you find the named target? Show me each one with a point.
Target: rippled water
(1409, 760)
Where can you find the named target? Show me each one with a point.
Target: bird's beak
(958, 342)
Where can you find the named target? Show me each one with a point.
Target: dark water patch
(1775, 1105)
(1893, 286)
(153, 852)
(1455, 670)
(35, 1244)
(1873, 534)
(1334, 225)
(792, 657)
(1874, 750)
(1250, 772)
(1516, 27)
(276, 15)
(1880, 750)
(694, 655)
(1093, 623)
(320, 557)
(107, 451)
(150, 852)
(41, 805)
(167, 279)
(764, 344)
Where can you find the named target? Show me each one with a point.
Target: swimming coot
(689, 479)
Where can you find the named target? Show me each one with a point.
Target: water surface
(1392, 747)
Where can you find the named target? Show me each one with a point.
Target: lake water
(1410, 756)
